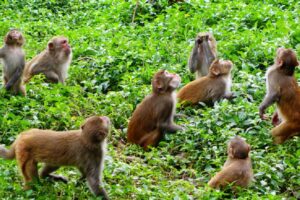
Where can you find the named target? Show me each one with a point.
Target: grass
(113, 63)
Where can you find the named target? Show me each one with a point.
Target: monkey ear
(280, 62)
(231, 152)
(249, 148)
(215, 70)
(50, 45)
(82, 126)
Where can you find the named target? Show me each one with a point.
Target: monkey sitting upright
(211, 88)
(237, 169)
(283, 89)
(84, 149)
(14, 62)
(203, 54)
(154, 115)
(53, 62)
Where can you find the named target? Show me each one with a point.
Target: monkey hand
(8, 86)
(262, 113)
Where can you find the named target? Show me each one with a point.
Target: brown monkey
(52, 62)
(208, 89)
(237, 169)
(203, 54)
(283, 89)
(154, 115)
(14, 61)
(84, 149)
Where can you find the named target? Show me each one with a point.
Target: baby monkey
(84, 149)
(14, 62)
(237, 169)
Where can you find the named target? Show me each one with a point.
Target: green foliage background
(113, 62)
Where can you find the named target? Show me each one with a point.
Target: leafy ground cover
(113, 62)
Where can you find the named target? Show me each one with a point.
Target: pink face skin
(105, 119)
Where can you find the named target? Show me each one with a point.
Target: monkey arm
(269, 99)
(1, 53)
(193, 61)
(17, 75)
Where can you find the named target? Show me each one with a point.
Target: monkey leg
(18, 88)
(52, 76)
(30, 172)
(47, 170)
(151, 139)
(93, 182)
(285, 131)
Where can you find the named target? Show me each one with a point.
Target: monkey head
(163, 82)
(238, 148)
(59, 44)
(220, 67)
(286, 60)
(202, 37)
(95, 129)
(14, 37)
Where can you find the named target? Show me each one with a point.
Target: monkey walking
(14, 62)
(237, 169)
(84, 149)
(203, 54)
(53, 62)
(283, 89)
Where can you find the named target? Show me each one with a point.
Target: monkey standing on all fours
(237, 169)
(154, 115)
(213, 87)
(84, 149)
(283, 89)
(203, 54)
(14, 62)
(53, 62)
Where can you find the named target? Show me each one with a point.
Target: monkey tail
(7, 153)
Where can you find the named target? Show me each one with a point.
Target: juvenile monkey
(84, 149)
(211, 88)
(14, 61)
(53, 62)
(203, 54)
(154, 115)
(237, 169)
(283, 89)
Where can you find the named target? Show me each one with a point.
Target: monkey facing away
(237, 169)
(154, 115)
(53, 62)
(283, 89)
(211, 88)
(84, 149)
(14, 62)
(203, 54)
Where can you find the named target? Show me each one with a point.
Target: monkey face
(96, 128)
(59, 44)
(14, 37)
(238, 148)
(164, 81)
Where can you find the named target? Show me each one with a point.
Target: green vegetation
(113, 63)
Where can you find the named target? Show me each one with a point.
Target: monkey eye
(64, 42)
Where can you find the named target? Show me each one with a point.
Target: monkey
(53, 62)
(283, 89)
(237, 169)
(154, 115)
(203, 54)
(211, 88)
(14, 62)
(84, 149)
